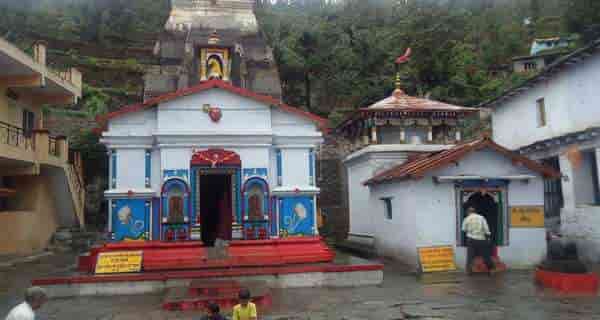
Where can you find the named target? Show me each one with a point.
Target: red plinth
(480, 267)
(224, 293)
(568, 283)
(164, 256)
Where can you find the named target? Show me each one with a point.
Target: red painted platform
(209, 273)
(224, 293)
(567, 282)
(170, 256)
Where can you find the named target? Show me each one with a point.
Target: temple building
(212, 153)
(411, 178)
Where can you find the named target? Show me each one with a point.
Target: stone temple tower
(206, 39)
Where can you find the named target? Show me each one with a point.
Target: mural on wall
(130, 219)
(296, 216)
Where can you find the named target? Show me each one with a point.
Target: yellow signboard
(436, 259)
(527, 217)
(119, 262)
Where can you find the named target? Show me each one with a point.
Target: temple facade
(212, 152)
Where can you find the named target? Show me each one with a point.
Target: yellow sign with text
(437, 259)
(119, 262)
(527, 217)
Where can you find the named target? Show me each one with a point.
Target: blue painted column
(148, 165)
(279, 167)
(113, 169)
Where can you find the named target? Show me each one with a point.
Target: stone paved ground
(402, 296)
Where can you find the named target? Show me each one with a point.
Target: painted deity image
(129, 228)
(297, 219)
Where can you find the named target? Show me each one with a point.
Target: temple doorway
(488, 202)
(215, 195)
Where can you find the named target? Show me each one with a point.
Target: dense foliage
(339, 53)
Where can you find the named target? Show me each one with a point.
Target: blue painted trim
(148, 164)
(176, 173)
(279, 167)
(193, 213)
(156, 221)
(113, 160)
(492, 183)
(311, 166)
(165, 200)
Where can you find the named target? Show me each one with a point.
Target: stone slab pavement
(402, 296)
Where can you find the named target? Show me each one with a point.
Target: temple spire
(401, 60)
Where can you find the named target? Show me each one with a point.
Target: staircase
(74, 173)
(73, 240)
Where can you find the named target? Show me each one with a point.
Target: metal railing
(53, 147)
(15, 136)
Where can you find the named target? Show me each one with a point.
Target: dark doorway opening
(215, 207)
(488, 203)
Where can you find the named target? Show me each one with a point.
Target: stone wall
(333, 200)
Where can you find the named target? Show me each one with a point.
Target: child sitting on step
(245, 310)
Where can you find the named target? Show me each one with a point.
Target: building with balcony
(411, 178)
(41, 185)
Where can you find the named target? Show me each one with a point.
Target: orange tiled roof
(418, 167)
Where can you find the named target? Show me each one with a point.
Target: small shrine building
(411, 178)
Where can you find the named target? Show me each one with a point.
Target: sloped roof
(207, 85)
(418, 167)
(403, 102)
(549, 71)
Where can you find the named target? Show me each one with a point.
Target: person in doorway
(214, 312)
(245, 310)
(478, 235)
(35, 298)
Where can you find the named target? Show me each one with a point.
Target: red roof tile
(402, 102)
(417, 168)
(207, 85)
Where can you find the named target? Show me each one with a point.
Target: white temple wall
(239, 114)
(131, 169)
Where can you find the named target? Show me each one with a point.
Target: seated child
(213, 313)
(245, 310)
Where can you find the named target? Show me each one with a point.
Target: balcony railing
(15, 136)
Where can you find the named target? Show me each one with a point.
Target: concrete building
(41, 186)
(411, 179)
(554, 118)
(211, 161)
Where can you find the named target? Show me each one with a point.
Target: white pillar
(568, 183)
(374, 135)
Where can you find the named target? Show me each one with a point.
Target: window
(530, 66)
(541, 112)
(387, 206)
(28, 122)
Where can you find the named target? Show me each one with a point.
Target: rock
(406, 303)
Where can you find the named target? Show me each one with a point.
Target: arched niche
(175, 202)
(256, 199)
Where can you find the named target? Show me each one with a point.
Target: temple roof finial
(401, 60)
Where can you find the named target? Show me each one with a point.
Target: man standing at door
(478, 235)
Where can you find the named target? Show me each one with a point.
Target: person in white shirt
(478, 235)
(35, 298)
